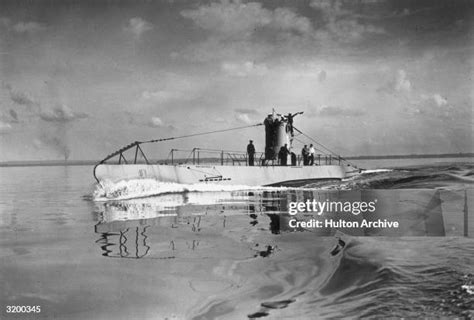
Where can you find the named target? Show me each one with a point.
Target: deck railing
(226, 157)
(208, 156)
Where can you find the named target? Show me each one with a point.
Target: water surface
(227, 254)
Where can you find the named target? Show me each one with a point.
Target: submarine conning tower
(278, 132)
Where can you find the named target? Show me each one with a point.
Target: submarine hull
(227, 175)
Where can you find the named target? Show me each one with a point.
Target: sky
(80, 79)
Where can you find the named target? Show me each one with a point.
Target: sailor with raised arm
(289, 118)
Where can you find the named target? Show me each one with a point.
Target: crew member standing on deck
(251, 152)
(312, 152)
(305, 154)
(283, 155)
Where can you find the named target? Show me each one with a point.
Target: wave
(370, 282)
(429, 177)
(367, 171)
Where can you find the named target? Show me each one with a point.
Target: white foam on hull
(144, 188)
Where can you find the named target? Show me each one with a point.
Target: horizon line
(355, 157)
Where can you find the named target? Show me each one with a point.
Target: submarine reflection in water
(174, 225)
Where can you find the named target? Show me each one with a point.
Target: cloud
(322, 76)
(160, 95)
(433, 106)
(246, 32)
(55, 133)
(13, 115)
(287, 20)
(244, 69)
(5, 22)
(22, 27)
(57, 141)
(341, 23)
(9, 117)
(401, 81)
(250, 31)
(438, 99)
(333, 111)
(4, 127)
(248, 111)
(164, 96)
(350, 29)
(224, 49)
(235, 19)
(29, 27)
(230, 18)
(156, 122)
(61, 114)
(372, 1)
(37, 143)
(19, 97)
(142, 120)
(173, 88)
(246, 116)
(328, 7)
(137, 26)
(399, 84)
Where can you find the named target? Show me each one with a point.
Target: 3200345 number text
(23, 309)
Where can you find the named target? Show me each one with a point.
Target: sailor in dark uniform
(305, 154)
(283, 155)
(251, 152)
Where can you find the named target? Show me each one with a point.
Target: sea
(73, 249)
